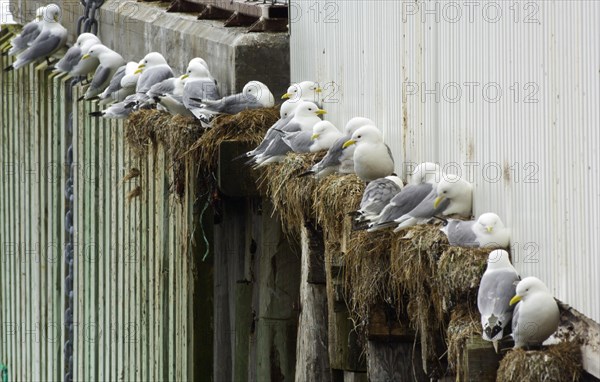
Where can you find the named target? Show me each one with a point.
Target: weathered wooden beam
(315, 254)
(394, 361)
(233, 177)
(312, 357)
(384, 326)
(480, 361)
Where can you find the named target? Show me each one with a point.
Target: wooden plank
(128, 257)
(160, 264)
(115, 196)
(150, 182)
(122, 253)
(172, 290)
(79, 240)
(278, 309)
(479, 361)
(394, 361)
(243, 325)
(312, 353)
(103, 223)
(25, 226)
(142, 276)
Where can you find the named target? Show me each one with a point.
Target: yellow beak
(438, 200)
(318, 90)
(85, 56)
(514, 300)
(320, 112)
(183, 77)
(286, 96)
(314, 136)
(489, 228)
(56, 18)
(348, 143)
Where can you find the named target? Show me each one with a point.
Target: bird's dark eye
(310, 108)
(360, 136)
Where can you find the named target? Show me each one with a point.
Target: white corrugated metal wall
(505, 92)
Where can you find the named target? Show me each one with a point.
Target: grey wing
(70, 59)
(270, 135)
(44, 45)
(334, 154)
(495, 291)
(460, 233)
(233, 104)
(29, 33)
(378, 194)
(115, 82)
(515, 318)
(405, 201)
(199, 89)
(299, 142)
(277, 147)
(152, 77)
(164, 87)
(425, 209)
(101, 77)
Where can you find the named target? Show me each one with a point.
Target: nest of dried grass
(291, 196)
(413, 267)
(176, 133)
(464, 324)
(459, 272)
(334, 197)
(247, 126)
(367, 274)
(561, 362)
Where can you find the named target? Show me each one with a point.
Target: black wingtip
(244, 155)
(130, 105)
(307, 173)
(95, 114)
(9, 68)
(196, 99)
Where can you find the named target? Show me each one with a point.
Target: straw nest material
(556, 363)
(464, 324)
(145, 128)
(459, 272)
(367, 273)
(246, 126)
(334, 197)
(290, 194)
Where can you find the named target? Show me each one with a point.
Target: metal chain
(88, 22)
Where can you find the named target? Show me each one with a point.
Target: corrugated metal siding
(532, 150)
(133, 284)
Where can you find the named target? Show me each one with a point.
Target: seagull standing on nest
(487, 231)
(372, 157)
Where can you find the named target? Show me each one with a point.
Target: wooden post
(480, 361)
(275, 302)
(312, 356)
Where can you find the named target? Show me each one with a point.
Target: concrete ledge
(134, 28)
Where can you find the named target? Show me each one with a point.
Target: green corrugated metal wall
(133, 285)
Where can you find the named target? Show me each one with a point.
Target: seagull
(339, 159)
(254, 95)
(71, 62)
(28, 34)
(115, 92)
(154, 69)
(452, 195)
(305, 117)
(324, 135)
(487, 231)
(303, 91)
(376, 196)
(52, 38)
(496, 288)
(536, 315)
(372, 157)
(110, 62)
